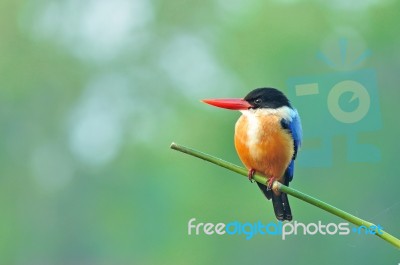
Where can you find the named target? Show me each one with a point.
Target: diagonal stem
(295, 193)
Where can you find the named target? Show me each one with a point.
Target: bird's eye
(257, 101)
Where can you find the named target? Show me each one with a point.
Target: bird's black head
(267, 97)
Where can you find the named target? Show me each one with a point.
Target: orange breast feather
(262, 144)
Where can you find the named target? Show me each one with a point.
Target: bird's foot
(270, 182)
(250, 175)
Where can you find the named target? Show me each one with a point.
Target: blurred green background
(92, 93)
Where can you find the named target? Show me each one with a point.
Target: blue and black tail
(280, 202)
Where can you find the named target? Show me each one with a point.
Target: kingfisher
(267, 138)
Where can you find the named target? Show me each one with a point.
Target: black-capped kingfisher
(267, 138)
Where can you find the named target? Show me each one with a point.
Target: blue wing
(294, 127)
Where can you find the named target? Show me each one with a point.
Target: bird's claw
(250, 175)
(270, 182)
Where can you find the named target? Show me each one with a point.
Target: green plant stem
(293, 192)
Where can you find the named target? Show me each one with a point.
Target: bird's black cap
(267, 97)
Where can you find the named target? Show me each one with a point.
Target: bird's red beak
(229, 103)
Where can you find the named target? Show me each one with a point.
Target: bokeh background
(93, 92)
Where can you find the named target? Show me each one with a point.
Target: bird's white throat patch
(253, 134)
(282, 112)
